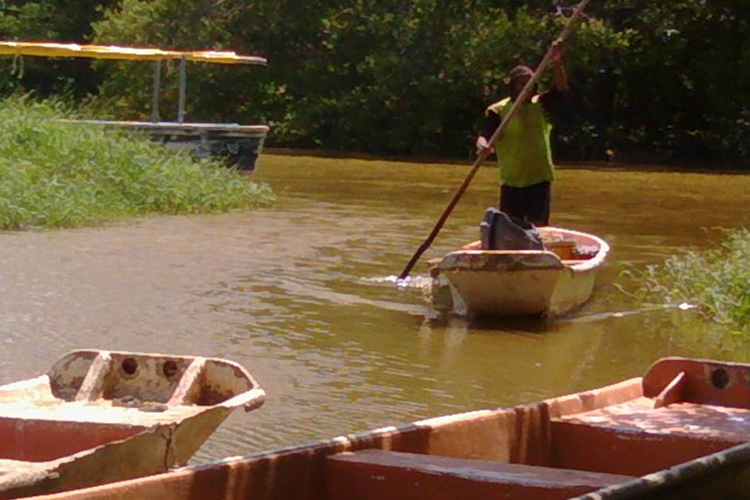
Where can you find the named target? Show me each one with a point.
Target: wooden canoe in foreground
(680, 432)
(548, 282)
(101, 416)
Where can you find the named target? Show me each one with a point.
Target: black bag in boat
(501, 232)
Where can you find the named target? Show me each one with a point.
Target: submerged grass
(717, 280)
(55, 174)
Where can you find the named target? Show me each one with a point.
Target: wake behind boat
(549, 282)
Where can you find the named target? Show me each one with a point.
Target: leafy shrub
(718, 280)
(413, 77)
(57, 174)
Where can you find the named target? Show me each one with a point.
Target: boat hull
(99, 416)
(679, 432)
(506, 283)
(238, 145)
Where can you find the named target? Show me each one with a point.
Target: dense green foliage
(717, 280)
(413, 76)
(49, 20)
(58, 174)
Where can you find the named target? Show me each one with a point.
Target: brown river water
(302, 294)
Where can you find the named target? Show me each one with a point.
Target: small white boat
(102, 416)
(549, 282)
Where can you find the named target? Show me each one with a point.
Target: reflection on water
(304, 295)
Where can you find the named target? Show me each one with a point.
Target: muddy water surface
(299, 294)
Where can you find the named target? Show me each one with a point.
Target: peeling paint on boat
(102, 416)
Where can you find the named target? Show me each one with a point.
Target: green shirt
(523, 151)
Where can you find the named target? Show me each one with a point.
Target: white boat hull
(521, 283)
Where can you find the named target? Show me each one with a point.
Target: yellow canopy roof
(122, 53)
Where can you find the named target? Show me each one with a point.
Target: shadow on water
(501, 326)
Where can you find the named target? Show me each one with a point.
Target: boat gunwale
(593, 262)
(713, 467)
(673, 476)
(162, 442)
(379, 438)
(505, 261)
(177, 128)
(577, 265)
(252, 397)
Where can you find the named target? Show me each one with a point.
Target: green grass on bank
(716, 280)
(55, 174)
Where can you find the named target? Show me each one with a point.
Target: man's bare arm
(558, 70)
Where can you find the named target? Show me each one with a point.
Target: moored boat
(239, 145)
(103, 416)
(549, 282)
(681, 431)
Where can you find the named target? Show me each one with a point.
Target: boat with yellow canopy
(123, 53)
(240, 144)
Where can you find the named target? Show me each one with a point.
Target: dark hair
(520, 71)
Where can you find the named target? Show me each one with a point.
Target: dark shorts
(529, 203)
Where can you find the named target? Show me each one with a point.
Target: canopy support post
(157, 91)
(183, 87)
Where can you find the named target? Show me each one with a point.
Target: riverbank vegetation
(58, 174)
(717, 280)
(649, 80)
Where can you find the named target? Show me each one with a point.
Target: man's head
(519, 77)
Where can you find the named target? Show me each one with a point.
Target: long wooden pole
(522, 97)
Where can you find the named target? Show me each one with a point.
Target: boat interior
(573, 248)
(680, 411)
(597, 443)
(569, 245)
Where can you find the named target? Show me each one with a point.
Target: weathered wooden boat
(680, 432)
(239, 145)
(102, 416)
(550, 282)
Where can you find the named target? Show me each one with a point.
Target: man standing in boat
(523, 151)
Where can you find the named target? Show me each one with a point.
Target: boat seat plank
(636, 438)
(93, 384)
(395, 475)
(672, 393)
(188, 389)
(700, 421)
